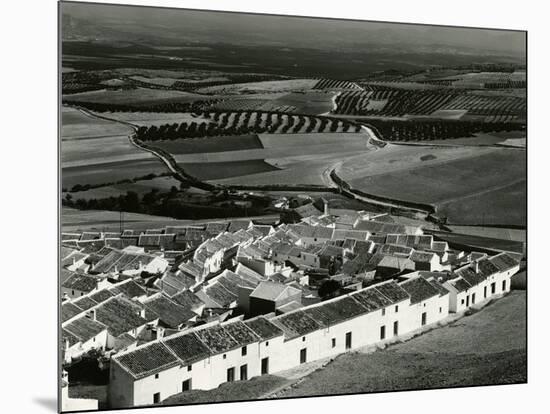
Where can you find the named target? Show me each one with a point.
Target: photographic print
(267, 206)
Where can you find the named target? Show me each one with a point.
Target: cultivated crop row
(408, 102)
(335, 84)
(240, 123)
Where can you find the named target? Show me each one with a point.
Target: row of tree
(242, 123)
(419, 130)
(169, 106)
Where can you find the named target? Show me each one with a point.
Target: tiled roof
(81, 282)
(334, 312)
(393, 248)
(220, 295)
(460, 285)
(67, 336)
(296, 324)
(217, 339)
(487, 268)
(84, 328)
(84, 302)
(419, 289)
(102, 295)
(131, 289)
(371, 299)
(145, 361)
(342, 234)
(392, 291)
(120, 316)
(188, 348)
(503, 261)
(422, 257)
(69, 310)
(188, 299)
(263, 328)
(169, 312)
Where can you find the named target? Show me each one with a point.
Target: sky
(240, 28)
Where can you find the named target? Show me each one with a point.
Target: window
(424, 318)
(334, 342)
(186, 385)
(244, 372)
(504, 285)
(493, 288)
(265, 366)
(303, 355)
(93, 339)
(156, 397)
(231, 374)
(485, 292)
(383, 332)
(395, 328)
(189, 367)
(462, 302)
(267, 343)
(156, 376)
(383, 312)
(243, 351)
(468, 300)
(440, 309)
(473, 298)
(303, 338)
(396, 308)
(72, 292)
(224, 356)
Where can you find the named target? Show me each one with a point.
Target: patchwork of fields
(468, 185)
(96, 151)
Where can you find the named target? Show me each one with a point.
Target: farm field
(76, 125)
(140, 187)
(227, 169)
(503, 207)
(261, 87)
(494, 232)
(494, 138)
(210, 144)
(110, 171)
(468, 185)
(138, 96)
(310, 102)
(475, 349)
(283, 146)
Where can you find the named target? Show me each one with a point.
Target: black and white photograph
(264, 206)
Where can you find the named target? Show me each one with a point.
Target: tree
(329, 289)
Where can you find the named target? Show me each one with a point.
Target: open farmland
(260, 87)
(227, 169)
(468, 185)
(139, 96)
(76, 125)
(210, 144)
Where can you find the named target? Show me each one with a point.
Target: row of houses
(207, 356)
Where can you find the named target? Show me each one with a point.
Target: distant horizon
(125, 22)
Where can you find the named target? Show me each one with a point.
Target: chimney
(116, 269)
(325, 207)
(476, 264)
(142, 312)
(140, 264)
(92, 314)
(74, 261)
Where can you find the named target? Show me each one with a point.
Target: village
(180, 308)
